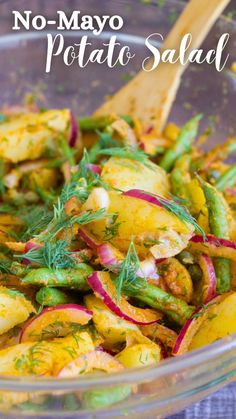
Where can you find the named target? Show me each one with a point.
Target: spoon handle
(150, 95)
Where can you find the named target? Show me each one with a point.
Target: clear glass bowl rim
(165, 367)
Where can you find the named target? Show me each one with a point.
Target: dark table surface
(222, 404)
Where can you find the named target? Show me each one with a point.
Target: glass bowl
(175, 383)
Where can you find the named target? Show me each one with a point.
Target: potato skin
(220, 322)
(125, 174)
(14, 309)
(145, 224)
(110, 326)
(140, 355)
(27, 136)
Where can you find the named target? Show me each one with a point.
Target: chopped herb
(128, 269)
(66, 150)
(131, 153)
(36, 220)
(112, 229)
(179, 210)
(5, 265)
(54, 254)
(61, 221)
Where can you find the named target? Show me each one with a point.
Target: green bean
(220, 152)
(227, 179)
(219, 227)
(91, 123)
(74, 278)
(17, 269)
(183, 143)
(51, 297)
(156, 298)
(186, 258)
(195, 272)
(103, 397)
(177, 183)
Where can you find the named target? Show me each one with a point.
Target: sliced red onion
(214, 246)
(191, 327)
(215, 241)
(209, 278)
(95, 168)
(89, 239)
(111, 258)
(148, 269)
(105, 289)
(160, 260)
(231, 191)
(50, 317)
(138, 193)
(29, 246)
(73, 131)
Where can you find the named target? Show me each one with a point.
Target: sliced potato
(27, 136)
(140, 355)
(14, 309)
(43, 358)
(125, 174)
(147, 225)
(110, 326)
(220, 322)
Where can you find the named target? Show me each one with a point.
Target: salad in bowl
(118, 245)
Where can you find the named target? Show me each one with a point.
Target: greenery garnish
(54, 255)
(36, 220)
(112, 229)
(179, 210)
(128, 269)
(127, 152)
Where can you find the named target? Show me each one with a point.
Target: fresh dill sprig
(8, 208)
(46, 196)
(5, 265)
(54, 255)
(179, 210)
(36, 220)
(67, 151)
(82, 182)
(105, 140)
(130, 153)
(128, 269)
(61, 221)
(112, 229)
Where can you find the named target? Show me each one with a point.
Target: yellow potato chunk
(45, 357)
(110, 326)
(125, 174)
(220, 322)
(14, 309)
(148, 225)
(27, 136)
(140, 355)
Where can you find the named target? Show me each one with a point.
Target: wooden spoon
(149, 95)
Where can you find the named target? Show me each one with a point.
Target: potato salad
(118, 244)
